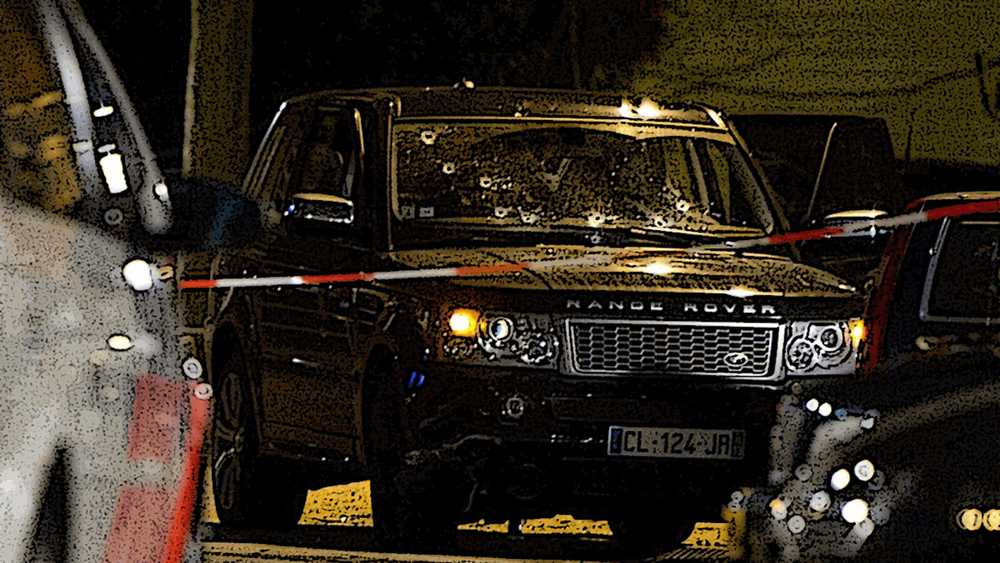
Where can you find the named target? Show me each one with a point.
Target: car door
(307, 379)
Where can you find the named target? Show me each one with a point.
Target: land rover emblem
(735, 360)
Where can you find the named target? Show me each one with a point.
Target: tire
(648, 532)
(405, 510)
(247, 490)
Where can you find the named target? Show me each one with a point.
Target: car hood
(649, 270)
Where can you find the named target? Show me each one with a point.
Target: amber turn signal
(464, 322)
(858, 332)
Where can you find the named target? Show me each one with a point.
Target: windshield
(540, 175)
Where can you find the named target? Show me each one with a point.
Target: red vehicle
(902, 457)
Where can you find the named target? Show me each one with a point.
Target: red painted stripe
(137, 532)
(187, 491)
(987, 206)
(805, 235)
(154, 430)
(877, 312)
(336, 278)
(196, 284)
(492, 269)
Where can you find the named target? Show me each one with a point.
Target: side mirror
(843, 217)
(315, 210)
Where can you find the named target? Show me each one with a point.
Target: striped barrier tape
(862, 227)
(853, 228)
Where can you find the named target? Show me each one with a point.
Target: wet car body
(922, 413)
(524, 389)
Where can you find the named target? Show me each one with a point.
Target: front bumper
(552, 451)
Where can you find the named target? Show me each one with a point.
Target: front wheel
(247, 490)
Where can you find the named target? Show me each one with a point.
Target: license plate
(675, 442)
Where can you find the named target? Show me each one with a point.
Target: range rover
(602, 362)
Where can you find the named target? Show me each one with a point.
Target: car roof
(938, 200)
(462, 101)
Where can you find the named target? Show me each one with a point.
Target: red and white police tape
(852, 228)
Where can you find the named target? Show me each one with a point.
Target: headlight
(499, 339)
(823, 347)
(499, 329)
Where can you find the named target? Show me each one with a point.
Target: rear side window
(962, 283)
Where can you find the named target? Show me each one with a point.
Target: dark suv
(599, 366)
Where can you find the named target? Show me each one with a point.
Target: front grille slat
(672, 348)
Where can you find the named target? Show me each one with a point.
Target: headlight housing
(497, 338)
(823, 347)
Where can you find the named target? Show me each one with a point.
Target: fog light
(463, 322)
(840, 479)
(514, 407)
(855, 511)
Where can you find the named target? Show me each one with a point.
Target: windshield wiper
(605, 234)
(618, 235)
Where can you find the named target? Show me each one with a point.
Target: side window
(278, 161)
(331, 161)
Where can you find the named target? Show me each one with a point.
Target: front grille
(672, 348)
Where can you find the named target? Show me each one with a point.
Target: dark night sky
(303, 46)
